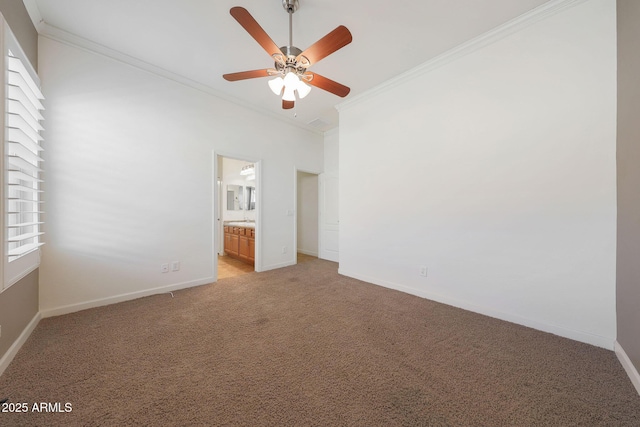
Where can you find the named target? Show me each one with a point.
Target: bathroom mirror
(250, 193)
(235, 197)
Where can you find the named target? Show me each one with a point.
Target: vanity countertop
(246, 224)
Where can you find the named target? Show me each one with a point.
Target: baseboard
(597, 340)
(329, 256)
(15, 347)
(306, 252)
(634, 376)
(276, 266)
(72, 308)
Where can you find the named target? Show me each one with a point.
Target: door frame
(295, 204)
(217, 224)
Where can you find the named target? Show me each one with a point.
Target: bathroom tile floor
(230, 267)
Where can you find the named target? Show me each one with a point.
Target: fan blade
(287, 105)
(254, 29)
(243, 75)
(324, 47)
(324, 83)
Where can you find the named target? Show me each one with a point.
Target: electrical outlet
(284, 249)
(175, 265)
(423, 271)
(164, 268)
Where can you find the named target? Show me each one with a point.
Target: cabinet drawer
(226, 229)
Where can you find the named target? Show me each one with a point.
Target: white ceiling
(198, 40)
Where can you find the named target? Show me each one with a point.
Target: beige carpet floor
(303, 346)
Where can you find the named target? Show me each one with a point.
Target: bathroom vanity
(240, 240)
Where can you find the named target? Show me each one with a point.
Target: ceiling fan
(290, 68)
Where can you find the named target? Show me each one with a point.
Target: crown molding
(498, 33)
(332, 132)
(61, 36)
(54, 33)
(34, 13)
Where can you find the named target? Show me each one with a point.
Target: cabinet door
(244, 247)
(227, 242)
(233, 244)
(252, 249)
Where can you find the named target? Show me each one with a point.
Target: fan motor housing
(289, 62)
(289, 51)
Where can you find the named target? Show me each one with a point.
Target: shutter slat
(17, 80)
(17, 122)
(17, 94)
(20, 175)
(24, 249)
(21, 163)
(16, 107)
(15, 65)
(19, 137)
(26, 236)
(24, 212)
(19, 200)
(20, 150)
(25, 224)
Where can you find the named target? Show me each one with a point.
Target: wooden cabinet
(231, 244)
(244, 249)
(252, 249)
(239, 242)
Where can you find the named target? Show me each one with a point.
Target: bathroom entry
(236, 216)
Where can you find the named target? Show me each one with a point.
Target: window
(22, 164)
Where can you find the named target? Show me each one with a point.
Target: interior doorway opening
(307, 218)
(237, 224)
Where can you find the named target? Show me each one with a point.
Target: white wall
(332, 151)
(130, 180)
(628, 159)
(497, 172)
(307, 213)
(329, 199)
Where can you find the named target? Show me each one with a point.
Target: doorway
(307, 221)
(236, 216)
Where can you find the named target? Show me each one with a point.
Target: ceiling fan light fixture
(291, 79)
(303, 89)
(276, 85)
(290, 62)
(289, 93)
